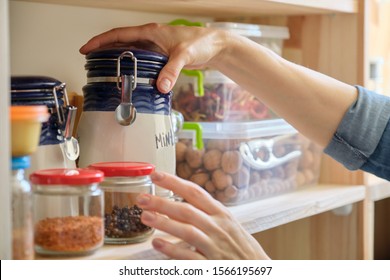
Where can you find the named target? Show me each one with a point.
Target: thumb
(169, 75)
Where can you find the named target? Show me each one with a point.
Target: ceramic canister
(121, 86)
(57, 148)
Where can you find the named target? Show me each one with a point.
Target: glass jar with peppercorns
(123, 182)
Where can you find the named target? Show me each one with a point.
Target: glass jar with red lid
(68, 211)
(123, 182)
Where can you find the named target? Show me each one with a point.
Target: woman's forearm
(312, 102)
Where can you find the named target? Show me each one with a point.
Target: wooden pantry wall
(379, 50)
(45, 38)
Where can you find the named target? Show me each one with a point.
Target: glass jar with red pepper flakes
(123, 182)
(68, 211)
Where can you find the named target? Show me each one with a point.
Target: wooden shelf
(275, 211)
(256, 216)
(378, 191)
(219, 8)
(138, 251)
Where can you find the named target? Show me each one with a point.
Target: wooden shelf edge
(219, 8)
(275, 211)
(137, 251)
(349, 6)
(378, 190)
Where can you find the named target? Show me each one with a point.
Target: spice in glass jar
(68, 210)
(123, 182)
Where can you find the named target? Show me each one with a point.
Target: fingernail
(148, 216)
(143, 199)
(165, 85)
(158, 243)
(156, 176)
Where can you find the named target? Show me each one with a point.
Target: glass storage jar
(123, 182)
(68, 211)
(57, 148)
(22, 224)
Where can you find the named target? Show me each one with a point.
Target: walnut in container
(242, 162)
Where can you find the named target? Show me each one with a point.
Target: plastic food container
(269, 36)
(223, 100)
(68, 211)
(26, 123)
(210, 96)
(241, 162)
(123, 182)
(309, 166)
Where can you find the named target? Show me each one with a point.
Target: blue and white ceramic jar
(125, 117)
(57, 148)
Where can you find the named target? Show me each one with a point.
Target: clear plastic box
(223, 100)
(241, 161)
(269, 36)
(309, 165)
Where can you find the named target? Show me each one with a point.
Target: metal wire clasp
(60, 112)
(118, 70)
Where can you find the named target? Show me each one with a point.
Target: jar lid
(65, 176)
(114, 53)
(20, 162)
(123, 169)
(109, 61)
(29, 113)
(36, 90)
(33, 82)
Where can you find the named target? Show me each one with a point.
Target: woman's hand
(202, 222)
(187, 47)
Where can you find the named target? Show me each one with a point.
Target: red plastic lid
(123, 168)
(64, 176)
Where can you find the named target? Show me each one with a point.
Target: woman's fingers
(120, 35)
(186, 232)
(203, 223)
(176, 251)
(170, 73)
(191, 192)
(181, 212)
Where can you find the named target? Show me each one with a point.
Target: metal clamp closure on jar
(126, 112)
(71, 145)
